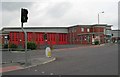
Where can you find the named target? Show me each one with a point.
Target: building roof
(116, 30)
(34, 28)
(56, 27)
(116, 33)
(51, 29)
(91, 25)
(80, 25)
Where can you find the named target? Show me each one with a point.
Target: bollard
(48, 52)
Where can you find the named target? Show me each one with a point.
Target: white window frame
(88, 29)
(108, 32)
(72, 29)
(104, 31)
(75, 29)
(82, 29)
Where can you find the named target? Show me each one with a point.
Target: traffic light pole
(26, 54)
(45, 38)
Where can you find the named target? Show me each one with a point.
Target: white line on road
(35, 70)
(51, 73)
(43, 72)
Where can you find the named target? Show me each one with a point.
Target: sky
(59, 13)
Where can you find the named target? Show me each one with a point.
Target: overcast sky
(62, 13)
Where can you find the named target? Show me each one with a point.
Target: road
(78, 61)
(8, 56)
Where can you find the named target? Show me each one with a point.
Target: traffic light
(93, 35)
(24, 17)
(45, 36)
(8, 37)
(112, 34)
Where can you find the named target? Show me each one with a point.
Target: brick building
(78, 34)
(115, 36)
(55, 35)
(87, 34)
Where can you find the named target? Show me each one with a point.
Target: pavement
(15, 60)
(22, 65)
(35, 60)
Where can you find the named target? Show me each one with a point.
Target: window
(75, 29)
(17, 36)
(36, 36)
(72, 29)
(104, 31)
(12, 36)
(39, 37)
(81, 37)
(65, 37)
(108, 32)
(88, 30)
(82, 29)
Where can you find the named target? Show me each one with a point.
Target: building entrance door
(88, 39)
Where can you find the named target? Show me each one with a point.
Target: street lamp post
(98, 23)
(99, 16)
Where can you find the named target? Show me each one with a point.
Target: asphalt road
(8, 56)
(78, 61)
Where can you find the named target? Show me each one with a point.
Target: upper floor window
(104, 31)
(88, 30)
(73, 30)
(70, 30)
(82, 29)
(108, 32)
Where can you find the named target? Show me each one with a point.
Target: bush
(96, 42)
(13, 46)
(5, 45)
(51, 47)
(31, 45)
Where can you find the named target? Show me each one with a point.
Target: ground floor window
(86, 38)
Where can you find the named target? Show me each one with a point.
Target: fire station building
(78, 34)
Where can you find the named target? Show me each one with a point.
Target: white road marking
(43, 72)
(51, 73)
(35, 70)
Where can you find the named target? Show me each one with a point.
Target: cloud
(11, 12)
(59, 10)
(49, 13)
(8, 17)
(1, 14)
(13, 6)
(23, 0)
(75, 12)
